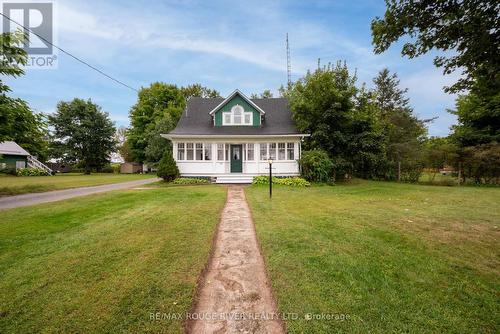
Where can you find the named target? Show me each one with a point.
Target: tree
(340, 118)
(12, 56)
(167, 169)
(82, 133)
(266, 94)
(20, 124)
(439, 152)
(153, 104)
(478, 123)
(17, 121)
(157, 145)
(467, 28)
(126, 152)
(403, 132)
(367, 145)
(197, 90)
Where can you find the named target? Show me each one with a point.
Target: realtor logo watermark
(36, 20)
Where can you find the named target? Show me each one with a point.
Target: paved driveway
(58, 195)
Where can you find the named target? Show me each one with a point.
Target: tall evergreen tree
(404, 132)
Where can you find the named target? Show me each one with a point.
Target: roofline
(172, 136)
(13, 153)
(237, 91)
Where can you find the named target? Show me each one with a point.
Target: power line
(71, 55)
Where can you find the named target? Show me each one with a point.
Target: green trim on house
(237, 99)
(10, 160)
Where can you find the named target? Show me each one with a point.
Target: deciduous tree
(154, 103)
(82, 134)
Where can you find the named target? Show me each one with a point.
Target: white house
(231, 140)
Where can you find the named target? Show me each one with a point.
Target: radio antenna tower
(288, 63)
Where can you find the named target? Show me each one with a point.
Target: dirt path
(235, 296)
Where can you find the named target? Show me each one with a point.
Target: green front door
(236, 159)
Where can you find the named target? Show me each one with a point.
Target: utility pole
(288, 63)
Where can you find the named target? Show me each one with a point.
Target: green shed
(12, 155)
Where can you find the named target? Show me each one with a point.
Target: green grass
(103, 263)
(16, 185)
(395, 258)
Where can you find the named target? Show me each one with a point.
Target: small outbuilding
(130, 168)
(12, 155)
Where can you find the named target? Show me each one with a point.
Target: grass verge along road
(17, 185)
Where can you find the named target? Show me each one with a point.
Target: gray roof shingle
(10, 147)
(195, 119)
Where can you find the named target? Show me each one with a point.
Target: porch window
(220, 152)
(189, 151)
(226, 155)
(263, 151)
(199, 151)
(272, 151)
(181, 154)
(250, 152)
(281, 151)
(208, 151)
(290, 149)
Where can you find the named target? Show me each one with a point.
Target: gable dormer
(237, 110)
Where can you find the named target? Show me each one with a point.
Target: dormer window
(237, 116)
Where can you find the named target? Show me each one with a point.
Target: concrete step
(238, 178)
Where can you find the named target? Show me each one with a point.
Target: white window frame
(196, 149)
(262, 145)
(207, 147)
(250, 147)
(220, 148)
(282, 147)
(244, 114)
(270, 150)
(192, 151)
(183, 150)
(290, 147)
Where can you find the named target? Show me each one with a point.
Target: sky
(223, 45)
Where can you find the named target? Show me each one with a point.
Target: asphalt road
(10, 202)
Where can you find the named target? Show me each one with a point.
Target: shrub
(32, 172)
(190, 180)
(316, 166)
(167, 169)
(107, 169)
(286, 181)
(9, 170)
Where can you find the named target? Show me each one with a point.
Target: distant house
(231, 140)
(14, 156)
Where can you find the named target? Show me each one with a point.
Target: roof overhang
(187, 136)
(233, 94)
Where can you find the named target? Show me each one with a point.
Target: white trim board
(237, 91)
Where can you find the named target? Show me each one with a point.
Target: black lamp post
(270, 178)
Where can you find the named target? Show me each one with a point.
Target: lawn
(15, 185)
(392, 257)
(104, 263)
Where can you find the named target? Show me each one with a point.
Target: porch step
(237, 178)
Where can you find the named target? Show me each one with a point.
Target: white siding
(255, 167)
